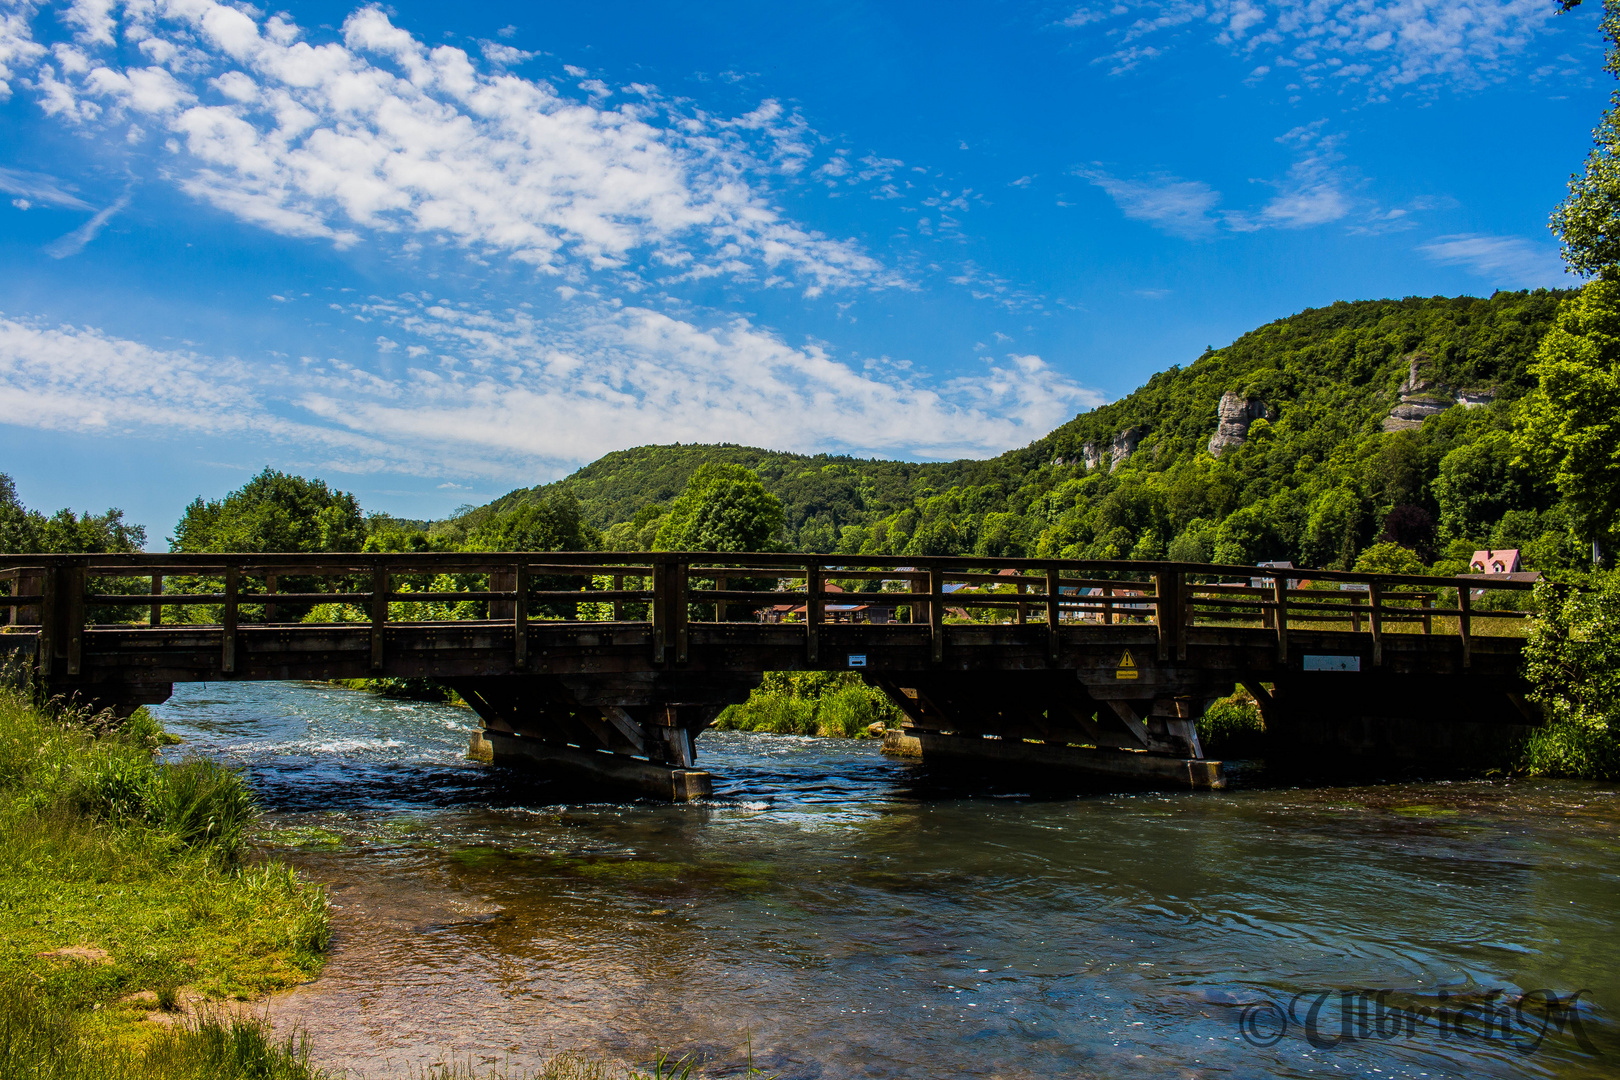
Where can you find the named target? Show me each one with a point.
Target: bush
(1572, 660)
(1231, 726)
(833, 704)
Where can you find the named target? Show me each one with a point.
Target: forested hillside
(1308, 439)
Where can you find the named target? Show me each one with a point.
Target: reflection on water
(851, 918)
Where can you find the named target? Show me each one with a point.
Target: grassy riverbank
(127, 914)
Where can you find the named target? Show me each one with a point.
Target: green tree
(1588, 221)
(1389, 558)
(724, 508)
(25, 531)
(551, 523)
(273, 511)
(1479, 482)
(1569, 426)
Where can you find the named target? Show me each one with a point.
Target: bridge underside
(599, 700)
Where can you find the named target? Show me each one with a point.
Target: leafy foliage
(24, 531)
(724, 508)
(1571, 423)
(1572, 659)
(273, 512)
(836, 704)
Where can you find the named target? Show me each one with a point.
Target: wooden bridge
(611, 665)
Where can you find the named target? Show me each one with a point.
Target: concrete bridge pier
(628, 732)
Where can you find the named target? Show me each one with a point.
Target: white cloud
(381, 133)
(18, 49)
(504, 394)
(79, 379)
(1513, 261)
(1385, 44)
(1179, 207)
(75, 241)
(37, 187)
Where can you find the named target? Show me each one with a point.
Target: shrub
(835, 704)
(1231, 726)
(1572, 661)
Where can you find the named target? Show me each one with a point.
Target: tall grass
(43, 1039)
(123, 882)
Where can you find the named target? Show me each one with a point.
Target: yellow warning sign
(1127, 666)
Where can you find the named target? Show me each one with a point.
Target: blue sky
(432, 252)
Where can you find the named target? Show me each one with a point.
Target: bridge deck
(586, 653)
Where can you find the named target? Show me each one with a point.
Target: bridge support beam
(618, 771)
(1134, 768)
(632, 731)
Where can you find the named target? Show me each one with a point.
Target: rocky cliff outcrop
(1423, 395)
(1124, 446)
(1236, 413)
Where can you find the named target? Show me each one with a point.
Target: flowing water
(845, 914)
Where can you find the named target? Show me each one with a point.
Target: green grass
(123, 889)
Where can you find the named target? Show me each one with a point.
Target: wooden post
(936, 613)
(1023, 608)
(520, 618)
(156, 618)
(1108, 605)
(1428, 617)
(227, 656)
(660, 610)
(1465, 603)
(75, 585)
(1279, 592)
(1053, 585)
(1166, 613)
(812, 611)
(720, 584)
(618, 605)
(270, 611)
(679, 614)
(379, 613)
(1375, 620)
(48, 589)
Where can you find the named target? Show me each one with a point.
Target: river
(848, 915)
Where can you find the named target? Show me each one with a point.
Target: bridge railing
(63, 596)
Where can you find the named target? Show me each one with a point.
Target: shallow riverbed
(850, 915)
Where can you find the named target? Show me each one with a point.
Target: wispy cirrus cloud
(75, 241)
(1315, 191)
(1179, 207)
(40, 188)
(378, 133)
(1512, 261)
(1384, 45)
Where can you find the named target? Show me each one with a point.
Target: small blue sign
(857, 659)
(1332, 663)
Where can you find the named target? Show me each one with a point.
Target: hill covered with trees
(1309, 439)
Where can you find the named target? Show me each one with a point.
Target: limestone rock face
(1124, 446)
(1090, 456)
(1236, 414)
(1423, 396)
